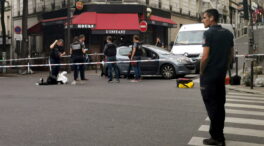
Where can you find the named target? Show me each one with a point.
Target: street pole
(251, 31)
(68, 25)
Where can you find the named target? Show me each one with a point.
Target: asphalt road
(95, 113)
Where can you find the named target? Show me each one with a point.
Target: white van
(189, 41)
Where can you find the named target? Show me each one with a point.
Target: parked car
(167, 65)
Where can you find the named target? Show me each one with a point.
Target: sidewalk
(243, 88)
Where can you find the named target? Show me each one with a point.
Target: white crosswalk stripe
(246, 97)
(198, 141)
(242, 121)
(237, 131)
(245, 94)
(245, 101)
(243, 110)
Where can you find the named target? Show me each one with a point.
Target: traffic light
(245, 8)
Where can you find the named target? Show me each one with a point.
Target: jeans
(111, 66)
(55, 69)
(78, 68)
(136, 67)
(214, 97)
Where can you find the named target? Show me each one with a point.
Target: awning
(156, 20)
(84, 20)
(105, 23)
(35, 29)
(54, 21)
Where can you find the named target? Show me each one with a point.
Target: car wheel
(168, 71)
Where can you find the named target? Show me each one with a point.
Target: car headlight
(183, 60)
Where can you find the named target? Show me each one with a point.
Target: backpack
(184, 83)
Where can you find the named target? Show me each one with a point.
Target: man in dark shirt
(110, 55)
(136, 55)
(217, 55)
(57, 51)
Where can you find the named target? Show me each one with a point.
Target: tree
(3, 25)
(25, 50)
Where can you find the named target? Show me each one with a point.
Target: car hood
(190, 49)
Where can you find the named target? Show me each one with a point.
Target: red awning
(35, 29)
(84, 20)
(117, 21)
(156, 20)
(105, 23)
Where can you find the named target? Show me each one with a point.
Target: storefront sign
(86, 26)
(143, 26)
(115, 31)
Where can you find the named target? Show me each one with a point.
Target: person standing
(57, 51)
(77, 51)
(110, 55)
(136, 56)
(159, 43)
(217, 55)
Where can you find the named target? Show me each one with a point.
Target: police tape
(37, 58)
(71, 64)
(250, 55)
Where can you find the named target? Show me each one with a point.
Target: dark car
(167, 64)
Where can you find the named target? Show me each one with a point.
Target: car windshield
(124, 51)
(161, 50)
(189, 38)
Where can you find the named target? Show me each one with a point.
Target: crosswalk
(244, 123)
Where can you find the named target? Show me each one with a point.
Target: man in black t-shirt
(136, 55)
(110, 55)
(217, 56)
(57, 51)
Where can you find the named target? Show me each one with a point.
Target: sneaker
(133, 81)
(211, 141)
(110, 81)
(73, 83)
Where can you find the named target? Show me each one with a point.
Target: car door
(149, 67)
(122, 55)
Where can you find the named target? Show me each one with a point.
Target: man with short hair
(136, 56)
(57, 51)
(217, 55)
(110, 55)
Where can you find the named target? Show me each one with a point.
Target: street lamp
(70, 11)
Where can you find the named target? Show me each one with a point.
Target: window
(124, 51)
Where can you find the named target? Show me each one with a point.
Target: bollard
(252, 74)
(96, 56)
(4, 62)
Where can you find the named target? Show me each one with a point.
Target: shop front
(97, 21)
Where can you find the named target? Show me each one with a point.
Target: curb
(252, 91)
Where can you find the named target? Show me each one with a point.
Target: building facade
(8, 23)
(46, 20)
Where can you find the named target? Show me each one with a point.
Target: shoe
(117, 81)
(110, 81)
(211, 141)
(73, 82)
(85, 79)
(133, 81)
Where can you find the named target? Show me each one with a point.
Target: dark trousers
(136, 67)
(78, 68)
(111, 66)
(128, 70)
(214, 97)
(55, 69)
